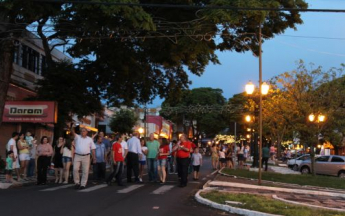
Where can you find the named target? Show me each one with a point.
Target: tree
(67, 86)
(204, 122)
(123, 121)
(305, 91)
(151, 48)
(133, 54)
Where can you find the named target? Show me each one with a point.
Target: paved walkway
(309, 196)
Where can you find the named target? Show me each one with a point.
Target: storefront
(37, 117)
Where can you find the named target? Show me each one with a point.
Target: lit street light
(264, 88)
(320, 118)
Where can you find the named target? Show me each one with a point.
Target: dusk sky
(319, 40)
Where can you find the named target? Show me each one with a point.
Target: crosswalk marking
(163, 189)
(57, 188)
(130, 188)
(94, 188)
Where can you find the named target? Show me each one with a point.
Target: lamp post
(264, 87)
(317, 119)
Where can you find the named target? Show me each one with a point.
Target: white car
(295, 163)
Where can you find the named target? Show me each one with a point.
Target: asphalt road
(96, 200)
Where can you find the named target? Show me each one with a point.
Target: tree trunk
(6, 57)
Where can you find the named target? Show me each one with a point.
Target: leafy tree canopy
(205, 123)
(123, 121)
(133, 54)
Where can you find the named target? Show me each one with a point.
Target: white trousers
(84, 162)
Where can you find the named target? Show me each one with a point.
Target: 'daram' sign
(30, 111)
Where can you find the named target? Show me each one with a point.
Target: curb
(309, 187)
(228, 208)
(288, 190)
(305, 204)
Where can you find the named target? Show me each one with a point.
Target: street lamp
(250, 88)
(248, 118)
(264, 88)
(320, 118)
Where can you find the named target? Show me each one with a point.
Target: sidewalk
(308, 196)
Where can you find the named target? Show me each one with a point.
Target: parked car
(326, 165)
(294, 163)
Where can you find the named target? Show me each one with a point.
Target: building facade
(29, 65)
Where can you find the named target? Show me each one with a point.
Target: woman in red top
(162, 159)
(182, 158)
(118, 161)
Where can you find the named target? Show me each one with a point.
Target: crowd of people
(226, 155)
(29, 159)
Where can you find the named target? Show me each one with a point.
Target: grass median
(266, 204)
(318, 180)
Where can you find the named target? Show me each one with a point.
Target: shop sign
(30, 112)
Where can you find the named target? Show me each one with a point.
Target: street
(132, 199)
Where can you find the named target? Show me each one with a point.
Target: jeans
(99, 171)
(152, 168)
(171, 164)
(264, 160)
(117, 173)
(31, 167)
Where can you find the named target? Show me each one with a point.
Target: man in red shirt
(118, 161)
(182, 158)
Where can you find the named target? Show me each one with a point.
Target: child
(197, 162)
(9, 166)
(29, 139)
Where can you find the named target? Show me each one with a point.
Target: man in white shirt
(12, 146)
(124, 147)
(134, 151)
(83, 146)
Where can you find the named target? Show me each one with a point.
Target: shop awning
(88, 128)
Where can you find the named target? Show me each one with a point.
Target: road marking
(129, 189)
(57, 188)
(94, 188)
(163, 189)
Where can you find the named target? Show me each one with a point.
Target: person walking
(67, 158)
(134, 152)
(32, 163)
(57, 159)
(152, 152)
(84, 145)
(142, 161)
(182, 158)
(265, 156)
(240, 158)
(24, 156)
(197, 163)
(214, 157)
(12, 146)
(117, 157)
(44, 153)
(9, 166)
(162, 160)
(99, 167)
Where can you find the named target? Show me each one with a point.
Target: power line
(212, 7)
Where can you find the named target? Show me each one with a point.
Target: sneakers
(65, 182)
(81, 187)
(76, 186)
